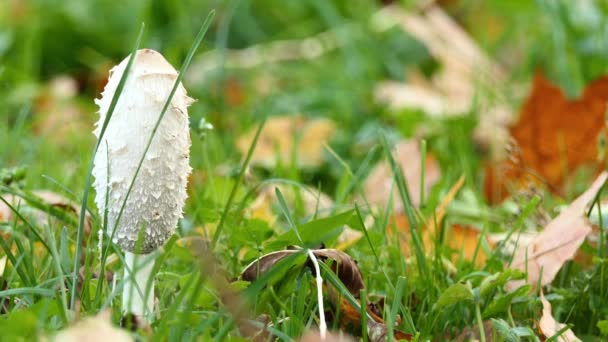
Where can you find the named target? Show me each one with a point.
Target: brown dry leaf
(464, 64)
(407, 155)
(452, 90)
(314, 336)
(342, 264)
(350, 317)
(557, 243)
(264, 264)
(401, 224)
(442, 207)
(548, 326)
(460, 238)
(464, 239)
(276, 142)
(348, 272)
(93, 329)
(553, 137)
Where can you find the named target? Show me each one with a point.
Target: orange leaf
(558, 242)
(554, 136)
(461, 238)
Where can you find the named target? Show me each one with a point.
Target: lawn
(365, 170)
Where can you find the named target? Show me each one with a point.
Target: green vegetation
(46, 143)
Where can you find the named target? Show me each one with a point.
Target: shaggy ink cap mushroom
(157, 199)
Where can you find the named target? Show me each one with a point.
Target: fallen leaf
(454, 89)
(348, 272)
(553, 137)
(94, 329)
(451, 91)
(282, 136)
(441, 209)
(264, 264)
(261, 208)
(557, 243)
(343, 265)
(314, 202)
(462, 239)
(407, 155)
(549, 327)
(315, 336)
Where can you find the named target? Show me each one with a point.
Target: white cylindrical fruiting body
(156, 201)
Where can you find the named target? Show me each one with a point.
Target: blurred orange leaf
(554, 136)
(463, 239)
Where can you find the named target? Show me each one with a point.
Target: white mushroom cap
(157, 199)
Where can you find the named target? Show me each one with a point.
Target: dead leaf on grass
(348, 272)
(463, 64)
(462, 239)
(557, 243)
(552, 138)
(407, 155)
(549, 327)
(282, 136)
(315, 336)
(454, 89)
(94, 329)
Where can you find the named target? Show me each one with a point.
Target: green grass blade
(220, 225)
(87, 186)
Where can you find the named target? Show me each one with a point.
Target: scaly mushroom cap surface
(157, 199)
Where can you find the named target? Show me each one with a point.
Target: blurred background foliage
(55, 56)
(44, 40)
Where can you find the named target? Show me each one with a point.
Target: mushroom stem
(138, 289)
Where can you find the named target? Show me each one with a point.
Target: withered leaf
(345, 268)
(407, 155)
(264, 264)
(558, 242)
(284, 135)
(553, 137)
(315, 336)
(348, 272)
(98, 328)
(549, 327)
(343, 265)
(463, 239)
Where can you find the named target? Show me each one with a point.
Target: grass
(426, 294)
